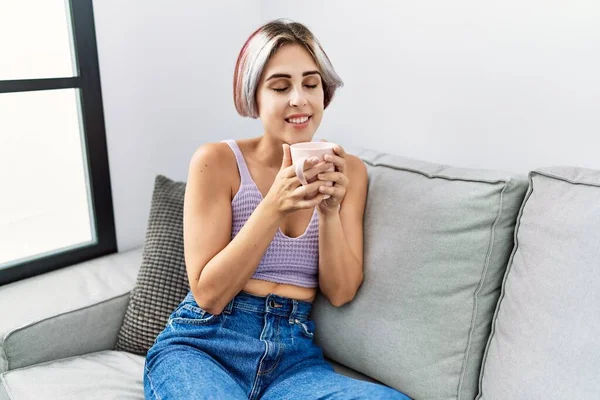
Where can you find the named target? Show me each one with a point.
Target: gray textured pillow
(162, 281)
(437, 241)
(545, 339)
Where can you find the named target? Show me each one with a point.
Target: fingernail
(326, 196)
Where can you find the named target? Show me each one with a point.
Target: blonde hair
(260, 47)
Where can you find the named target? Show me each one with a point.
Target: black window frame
(87, 80)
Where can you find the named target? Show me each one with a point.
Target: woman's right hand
(288, 194)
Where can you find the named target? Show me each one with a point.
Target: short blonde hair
(260, 47)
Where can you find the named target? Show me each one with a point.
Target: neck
(269, 151)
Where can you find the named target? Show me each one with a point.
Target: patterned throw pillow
(162, 281)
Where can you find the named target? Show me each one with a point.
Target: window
(55, 202)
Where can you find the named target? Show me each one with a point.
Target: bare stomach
(264, 288)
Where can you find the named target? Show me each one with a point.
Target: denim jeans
(259, 347)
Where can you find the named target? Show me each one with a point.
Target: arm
(217, 266)
(341, 238)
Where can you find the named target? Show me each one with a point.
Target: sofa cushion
(66, 312)
(436, 243)
(544, 342)
(101, 375)
(162, 281)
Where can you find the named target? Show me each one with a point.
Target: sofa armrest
(66, 312)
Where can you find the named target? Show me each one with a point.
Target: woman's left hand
(337, 192)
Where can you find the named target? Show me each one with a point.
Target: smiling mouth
(298, 121)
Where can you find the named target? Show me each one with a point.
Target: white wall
(166, 71)
(510, 85)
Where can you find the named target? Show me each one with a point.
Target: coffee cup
(303, 151)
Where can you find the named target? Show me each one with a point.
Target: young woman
(258, 244)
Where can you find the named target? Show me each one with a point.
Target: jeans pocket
(188, 313)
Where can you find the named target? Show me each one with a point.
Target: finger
(311, 162)
(339, 162)
(302, 191)
(315, 201)
(330, 190)
(290, 171)
(336, 177)
(287, 157)
(317, 169)
(339, 150)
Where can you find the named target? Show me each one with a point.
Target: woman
(258, 244)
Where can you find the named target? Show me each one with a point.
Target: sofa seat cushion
(102, 375)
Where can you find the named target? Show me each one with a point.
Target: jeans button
(272, 304)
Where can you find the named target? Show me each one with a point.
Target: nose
(297, 98)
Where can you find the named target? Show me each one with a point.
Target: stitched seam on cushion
(41, 364)
(503, 291)
(395, 167)
(478, 290)
(561, 178)
(5, 386)
(49, 318)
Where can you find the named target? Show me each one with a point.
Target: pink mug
(301, 152)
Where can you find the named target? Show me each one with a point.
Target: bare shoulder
(356, 171)
(212, 154)
(215, 158)
(356, 163)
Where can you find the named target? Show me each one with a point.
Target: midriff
(264, 288)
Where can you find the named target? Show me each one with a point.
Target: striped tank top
(287, 260)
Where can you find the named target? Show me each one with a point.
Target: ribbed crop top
(289, 260)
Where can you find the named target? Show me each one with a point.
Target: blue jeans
(257, 348)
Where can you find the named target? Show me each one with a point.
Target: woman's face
(289, 92)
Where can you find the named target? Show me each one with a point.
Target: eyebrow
(289, 76)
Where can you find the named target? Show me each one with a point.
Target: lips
(298, 125)
(298, 120)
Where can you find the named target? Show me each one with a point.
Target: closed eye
(286, 88)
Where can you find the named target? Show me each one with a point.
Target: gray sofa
(478, 284)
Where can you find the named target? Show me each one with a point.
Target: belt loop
(229, 307)
(293, 312)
